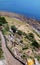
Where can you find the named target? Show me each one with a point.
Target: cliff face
(34, 23)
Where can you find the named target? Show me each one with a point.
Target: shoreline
(33, 22)
(12, 14)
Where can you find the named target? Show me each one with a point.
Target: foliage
(6, 27)
(19, 32)
(38, 57)
(24, 34)
(25, 48)
(35, 44)
(14, 29)
(1, 53)
(2, 21)
(24, 56)
(21, 41)
(30, 36)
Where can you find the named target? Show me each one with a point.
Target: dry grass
(23, 26)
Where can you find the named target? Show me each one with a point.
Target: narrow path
(9, 58)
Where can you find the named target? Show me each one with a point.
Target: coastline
(33, 22)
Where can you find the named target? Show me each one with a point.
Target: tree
(2, 21)
(35, 44)
(14, 29)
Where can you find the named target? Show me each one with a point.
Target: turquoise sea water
(30, 8)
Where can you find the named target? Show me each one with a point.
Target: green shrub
(1, 53)
(21, 41)
(2, 21)
(27, 36)
(30, 36)
(14, 29)
(25, 48)
(24, 34)
(35, 44)
(6, 27)
(24, 56)
(19, 32)
(38, 57)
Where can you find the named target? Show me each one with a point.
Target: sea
(28, 8)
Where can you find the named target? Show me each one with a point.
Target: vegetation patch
(35, 44)
(2, 21)
(21, 41)
(14, 29)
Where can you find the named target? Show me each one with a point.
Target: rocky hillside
(34, 23)
(22, 35)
